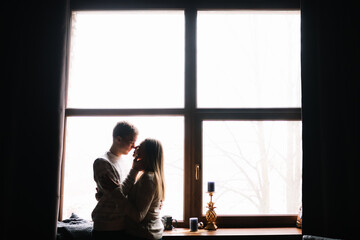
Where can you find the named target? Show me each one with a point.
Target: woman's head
(151, 152)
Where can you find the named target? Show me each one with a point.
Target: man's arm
(105, 177)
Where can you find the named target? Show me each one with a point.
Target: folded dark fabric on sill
(309, 237)
(74, 228)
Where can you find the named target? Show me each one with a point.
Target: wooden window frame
(195, 116)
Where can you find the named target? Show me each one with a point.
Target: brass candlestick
(211, 215)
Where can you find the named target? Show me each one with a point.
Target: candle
(211, 186)
(193, 223)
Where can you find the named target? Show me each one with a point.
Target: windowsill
(235, 233)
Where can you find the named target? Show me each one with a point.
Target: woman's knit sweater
(143, 210)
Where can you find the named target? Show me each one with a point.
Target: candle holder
(211, 215)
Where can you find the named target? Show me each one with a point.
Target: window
(108, 49)
(89, 137)
(250, 59)
(123, 60)
(256, 166)
(219, 88)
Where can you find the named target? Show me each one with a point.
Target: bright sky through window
(248, 59)
(127, 59)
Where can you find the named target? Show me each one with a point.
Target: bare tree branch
(238, 147)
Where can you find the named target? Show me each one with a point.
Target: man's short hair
(125, 129)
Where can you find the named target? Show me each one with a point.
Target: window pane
(248, 59)
(127, 59)
(90, 137)
(256, 166)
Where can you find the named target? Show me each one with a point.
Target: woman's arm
(128, 183)
(145, 194)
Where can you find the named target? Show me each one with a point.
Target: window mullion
(192, 196)
(190, 60)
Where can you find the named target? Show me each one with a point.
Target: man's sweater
(108, 214)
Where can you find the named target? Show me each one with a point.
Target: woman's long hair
(155, 154)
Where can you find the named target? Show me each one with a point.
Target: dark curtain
(33, 57)
(331, 147)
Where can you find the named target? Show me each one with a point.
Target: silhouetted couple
(129, 203)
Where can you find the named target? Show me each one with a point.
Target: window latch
(197, 171)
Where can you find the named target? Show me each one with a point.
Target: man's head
(124, 137)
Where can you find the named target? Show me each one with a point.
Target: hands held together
(138, 163)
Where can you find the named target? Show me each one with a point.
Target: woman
(145, 198)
